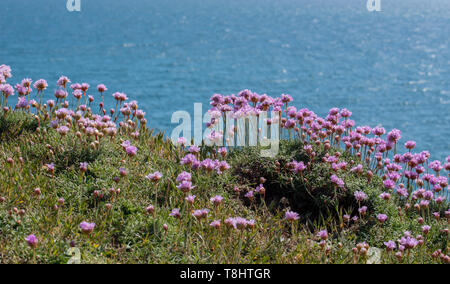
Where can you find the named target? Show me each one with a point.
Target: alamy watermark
(75, 255)
(229, 129)
(374, 5)
(73, 5)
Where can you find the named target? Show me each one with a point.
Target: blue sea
(390, 68)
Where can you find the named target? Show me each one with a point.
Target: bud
(37, 191)
(150, 209)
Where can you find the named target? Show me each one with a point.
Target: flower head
(32, 241)
(175, 213)
(382, 218)
(87, 228)
(291, 216)
(154, 177)
(131, 151)
(337, 181)
(200, 214)
(185, 186)
(390, 245)
(410, 145)
(360, 196)
(394, 136)
(40, 85)
(323, 234)
(83, 166)
(426, 229)
(190, 199)
(408, 242)
(215, 224)
(216, 200)
(63, 81)
(183, 176)
(101, 88)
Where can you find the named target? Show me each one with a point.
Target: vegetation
(82, 187)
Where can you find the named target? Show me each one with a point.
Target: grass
(126, 233)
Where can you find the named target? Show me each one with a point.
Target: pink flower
(200, 214)
(181, 141)
(382, 218)
(385, 196)
(216, 200)
(175, 213)
(223, 151)
(190, 199)
(194, 149)
(299, 167)
(63, 130)
(362, 210)
(63, 81)
(154, 177)
(222, 166)
(408, 242)
(32, 241)
(323, 235)
(394, 136)
(101, 88)
(389, 184)
(40, 85)
(291, 216)
(184, 176)
(215, 224)
(131, 151)
(189, 159)
(84, 87)
(390, 245)
(249, 194)
(337, 181)
(426, 229)
(185, 186)
(360, 196)
(87, 228)
(83, 167)
(150, 209)
(410, 145)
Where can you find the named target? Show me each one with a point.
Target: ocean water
(390, 68)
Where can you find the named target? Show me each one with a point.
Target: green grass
(125, 233)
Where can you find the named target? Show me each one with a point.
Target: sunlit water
(390, 68)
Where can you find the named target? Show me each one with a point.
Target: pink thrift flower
(323, 235)
(83, 167)
(360, 196)
(175, 213)
(87, 228)
(101, 88)
(382, 218)
(216, 200)
(40, 85)
(190, 199)
(131, 151)
(215, 224)
(185, 186)
(154, 177)
(390, 245)
(291, 216)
